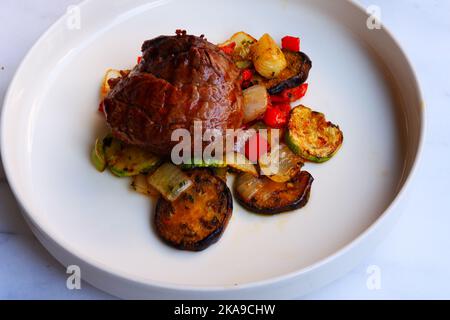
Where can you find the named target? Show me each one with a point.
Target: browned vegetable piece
(241, 54)
(296, 73)
(221, 172)
(110, 79)
(262, 195)
(140, 184)
(199, 216)
(311, 136)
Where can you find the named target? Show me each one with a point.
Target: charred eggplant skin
(203, 178)
(301, 75)
(305, 180)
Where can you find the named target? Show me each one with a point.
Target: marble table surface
(413, 262)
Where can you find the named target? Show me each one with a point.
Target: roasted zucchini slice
(265, 196)
(312, 137)
(205, 163)
(126, 161)
(199, 216)
(98, 155)
(296, 73)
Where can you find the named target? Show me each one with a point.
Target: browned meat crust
(180, 79)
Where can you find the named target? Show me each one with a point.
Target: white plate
(360, 79)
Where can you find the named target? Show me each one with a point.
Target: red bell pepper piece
(278, 99)
(247, 75)
(290, 95)
(139, 59)
(296, 93)
(255, 147)
(290, 43)
(284, 107)
(277, 116)
(229, 48)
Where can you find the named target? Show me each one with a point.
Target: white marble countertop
(413, 261)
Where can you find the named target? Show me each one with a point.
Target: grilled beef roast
(180, 79)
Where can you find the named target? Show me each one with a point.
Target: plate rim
(36, 226)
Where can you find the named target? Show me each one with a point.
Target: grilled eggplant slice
(127, 161)
(312, 137)
(296, 73)
(265, 196)
(199, 216)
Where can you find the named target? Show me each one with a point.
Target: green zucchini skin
(203, 164)
(98, 156)
(307, 129)
(290, 142)
(127, 161)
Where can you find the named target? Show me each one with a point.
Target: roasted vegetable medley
(194, 202)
